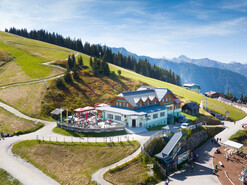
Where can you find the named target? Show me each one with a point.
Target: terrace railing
(77, 128)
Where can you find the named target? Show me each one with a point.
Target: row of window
(167, 100)
(119, 104)
(162, 114)
(146, 104)
(110, 116)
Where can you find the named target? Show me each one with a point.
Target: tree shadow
(81, 81)
(78, 88)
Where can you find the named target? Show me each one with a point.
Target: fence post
(43, 138)
(37, 137)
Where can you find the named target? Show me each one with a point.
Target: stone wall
(196, 139)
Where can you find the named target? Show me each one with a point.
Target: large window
(127, 105)
(155, 116)
(118, 118)
(116, 103)
(109, 116)
(162, 114)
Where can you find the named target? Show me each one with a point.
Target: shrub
(60, 84)
(67, 78)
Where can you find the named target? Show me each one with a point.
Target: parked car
(185, 125)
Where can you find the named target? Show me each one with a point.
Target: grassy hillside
(234, 113)
(30, 54)
(88, 90)
(72, 163)
(28, 57)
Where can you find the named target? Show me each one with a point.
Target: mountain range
(209, 74)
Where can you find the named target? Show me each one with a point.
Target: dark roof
(56, 111)
(192, 105)
(144, 92)
(170, 145)
(177, 101)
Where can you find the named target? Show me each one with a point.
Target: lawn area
(7, 179)
(9, 123)
(133, 172)
(26, 98)
(158, 127)
(87, 134)
(192, 118)
(72, 163)
(212, 104)
(240, 137)
(30, 64)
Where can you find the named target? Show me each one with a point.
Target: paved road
(202, 173)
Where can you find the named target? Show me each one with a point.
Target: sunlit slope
(30, 54)
(234, 113)
(28, 58)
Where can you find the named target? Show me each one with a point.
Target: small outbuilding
(191, 108)
(212, 94)
(192, 87)
(56, 113)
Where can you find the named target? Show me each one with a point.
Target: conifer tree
(91, 62)
(68, 64)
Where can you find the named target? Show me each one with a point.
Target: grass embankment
(87, 134)
(134, 172)
(211, 131)
(212, 104)
(72, 163)
(202, 117)
(136, 169)
(240, 137)
(11, 124)
(26, 98)
(7, 179)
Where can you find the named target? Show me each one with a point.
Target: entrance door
(133, 123)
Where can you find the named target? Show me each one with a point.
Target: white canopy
(233, 144)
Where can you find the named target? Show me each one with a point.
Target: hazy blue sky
(196, 28)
